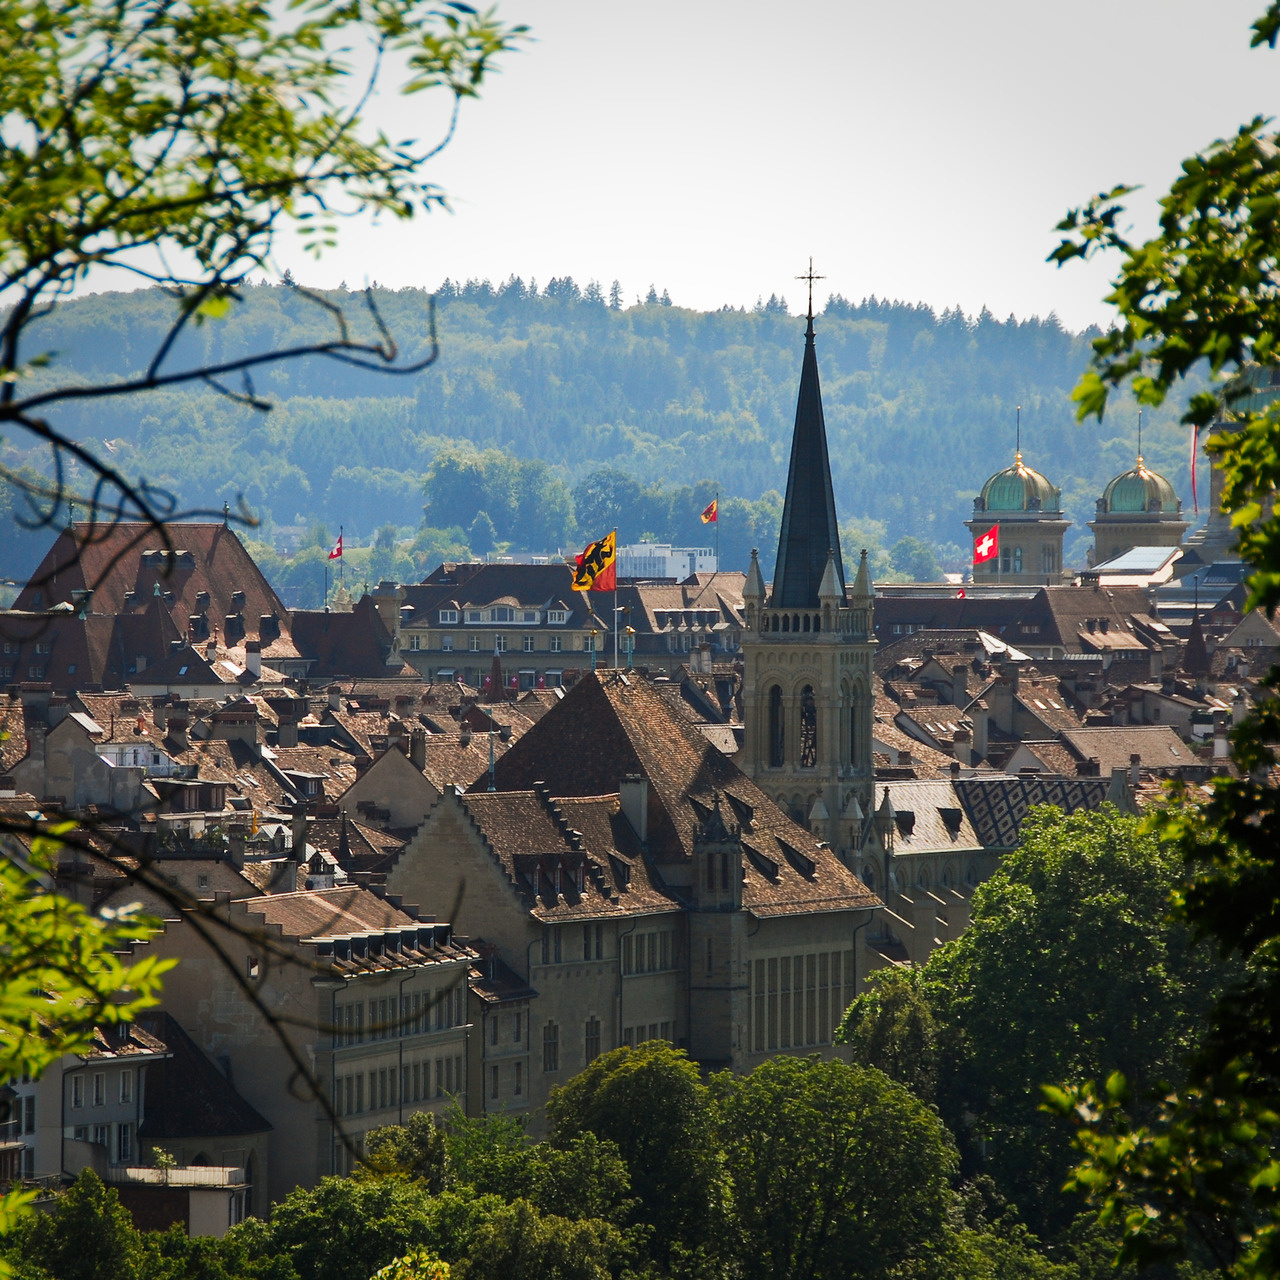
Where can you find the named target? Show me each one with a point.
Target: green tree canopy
(836, 1171)
(1070, 967)
(649, 1102)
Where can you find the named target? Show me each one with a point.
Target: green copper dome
(1019, 488)
(1139, 491)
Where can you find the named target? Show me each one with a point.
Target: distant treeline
(554, 410)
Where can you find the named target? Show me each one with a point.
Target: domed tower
(1026, 512)
(1137, 509)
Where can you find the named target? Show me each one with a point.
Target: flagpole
(615, 598)
(342, 560)
(717, 530)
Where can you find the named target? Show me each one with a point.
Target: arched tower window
(1017, 559)
(808, 729)
(777, 729)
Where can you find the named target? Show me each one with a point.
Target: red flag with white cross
(987, 546)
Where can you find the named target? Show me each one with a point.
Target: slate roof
(809, 529)
(476, 586)
(187, 1096)
(997, 806)
(610, 725)
(920, 807)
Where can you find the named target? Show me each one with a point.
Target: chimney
(1221, 743)
(237, 835)
(253, 658)
(633, 796)
(464, 738)
(960, 685)
(1135, 769)
(418, 748)
(287, 728)
(160, 712)
(298, 828)
(335, 697)
(963, 743)
(1239, 709)
(176, 725)
(504, 733)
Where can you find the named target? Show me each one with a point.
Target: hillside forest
(556, 412)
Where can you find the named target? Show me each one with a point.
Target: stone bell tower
(807, 649)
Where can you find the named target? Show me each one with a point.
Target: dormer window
(501, 613)
(448, 616)
(475, 615)
(559, 616)
(530, 615)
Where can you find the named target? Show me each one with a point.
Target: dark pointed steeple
(809, 528)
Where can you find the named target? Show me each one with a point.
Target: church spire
(809, 529)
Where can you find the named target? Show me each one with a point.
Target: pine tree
(615, 295)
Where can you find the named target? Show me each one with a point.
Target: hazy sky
(918, 149)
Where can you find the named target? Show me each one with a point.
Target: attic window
(906, 820)
(951, 819)
(557, 615)
(800, 861)
(448, 615)
(764, 865)
(182, 671)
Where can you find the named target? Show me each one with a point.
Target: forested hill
(919, 410)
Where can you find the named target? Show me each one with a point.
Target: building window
(592, 1042)
(517, 1035)
(519, 1089)
(126, 1086)
(557, 943)
(35, 672)
(102, 1136)
(493, 1031)
(448, 616)
(501, 613)
(500, 644)
(528, 644)
(475, 615)
(1017, 559)
(808, 729)
(77, 1091)
(493, 1082)
(551, 1047)
(202, 882)
(555, 644)
(475, 644)
(777, 729)
(414, 643)
(557, 616)
(253, 967)
(124, 1143)
(446, 644)
(99, 1089)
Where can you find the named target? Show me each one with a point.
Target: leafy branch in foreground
(1203, 1172)
(171, 140)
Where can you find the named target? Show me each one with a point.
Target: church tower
(807, 649)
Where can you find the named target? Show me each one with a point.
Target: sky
(918, 149)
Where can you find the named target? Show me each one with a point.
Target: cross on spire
(810, 278)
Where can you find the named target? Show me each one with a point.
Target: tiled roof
(328, 913)
(187, 1096)
(123, 1040)
(13, 727)
(585, 842)
(476, 586)
(1159, 746)
(611, 725)
(350, 644)
(996, 806)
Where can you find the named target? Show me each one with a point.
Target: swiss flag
(336, 553)
(987, 547)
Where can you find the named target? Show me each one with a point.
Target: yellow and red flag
(597, 566)
(711, 514)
